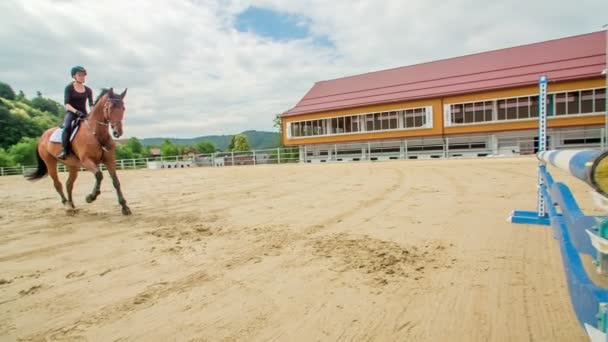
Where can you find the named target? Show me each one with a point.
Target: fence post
(405, 148)
(122, 164)
(22, 169)
(232, 154)
(279, 155)
(1, 171)
(446, 147)
(134, 167)
(254, 162)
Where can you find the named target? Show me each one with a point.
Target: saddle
(56, 136)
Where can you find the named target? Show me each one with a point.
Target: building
(474, 105)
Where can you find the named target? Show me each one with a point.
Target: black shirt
(78, 100)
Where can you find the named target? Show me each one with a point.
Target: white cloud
(190, 73)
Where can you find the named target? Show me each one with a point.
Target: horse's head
(114, 111)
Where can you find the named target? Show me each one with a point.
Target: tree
(24, 152)
(6, 91)
(231, 145)
(124, 152)
(168, 149)
(5, 159)
(276, 123)
(21, 96)
(205, 147)
(241, 143)
(135, 146)
(47, 105)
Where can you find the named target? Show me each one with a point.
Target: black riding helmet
(77, 69)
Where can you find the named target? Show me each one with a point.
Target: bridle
(107, 109)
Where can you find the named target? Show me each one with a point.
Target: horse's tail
(41, 170)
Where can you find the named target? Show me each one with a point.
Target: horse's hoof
(70, 210)
(90, 198)
(126, 211)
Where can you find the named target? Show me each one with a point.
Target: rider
(76, 95)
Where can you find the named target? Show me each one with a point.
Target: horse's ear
(124, 93)
(111, 93)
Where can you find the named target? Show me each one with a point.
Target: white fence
(218, 159)
(505, 144)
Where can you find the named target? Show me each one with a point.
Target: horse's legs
(92, 167)
(111, 165)
(52, 170)
(70, 183)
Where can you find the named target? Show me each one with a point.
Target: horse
(91, 146)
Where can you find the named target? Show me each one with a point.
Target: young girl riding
(76, 96)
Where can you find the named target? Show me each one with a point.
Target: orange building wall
(437, 105)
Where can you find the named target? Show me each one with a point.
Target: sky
(205, 67)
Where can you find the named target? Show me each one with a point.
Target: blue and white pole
(590, 166)
(542, 141)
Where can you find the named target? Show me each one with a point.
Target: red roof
(576, 57)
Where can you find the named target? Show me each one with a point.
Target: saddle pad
(56, 136)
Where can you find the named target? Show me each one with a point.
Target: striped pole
(590, 166)
(542, 141)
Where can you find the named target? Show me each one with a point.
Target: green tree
(205, 147)
(6, 91)
(47, 105)
(135, 145)
(231, 144)
(5, 159)
(276, 123)
(241, 143)
(24, 152)
(168, 149)
(21, 96)
(124, 152)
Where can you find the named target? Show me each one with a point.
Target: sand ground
(389, 251)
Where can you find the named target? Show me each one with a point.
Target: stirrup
(62, 155)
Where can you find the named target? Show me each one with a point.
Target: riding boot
(65, 140)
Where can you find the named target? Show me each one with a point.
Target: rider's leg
(65, 137)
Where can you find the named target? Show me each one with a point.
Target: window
(533, 106)
(527, 107)
(410, 118)
(573, 103)
(378, 121)
(587, 101)
(334, 125)
(295, 129)
(348, 127)
(419, 117)
(457, 114)
(523, 107)
(511, 109)
(560, 104)
(355, 123)
(369, 122)
(502, 109)
(489, 108)
(392, 123)
(468, 113)
(600, 100)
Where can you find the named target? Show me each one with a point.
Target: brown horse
(91, 146)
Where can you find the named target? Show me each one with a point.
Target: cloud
(190, 72)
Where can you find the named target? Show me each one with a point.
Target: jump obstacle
(576, 232)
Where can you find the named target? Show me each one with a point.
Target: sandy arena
(387, 251)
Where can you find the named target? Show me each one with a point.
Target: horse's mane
(103, 92)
